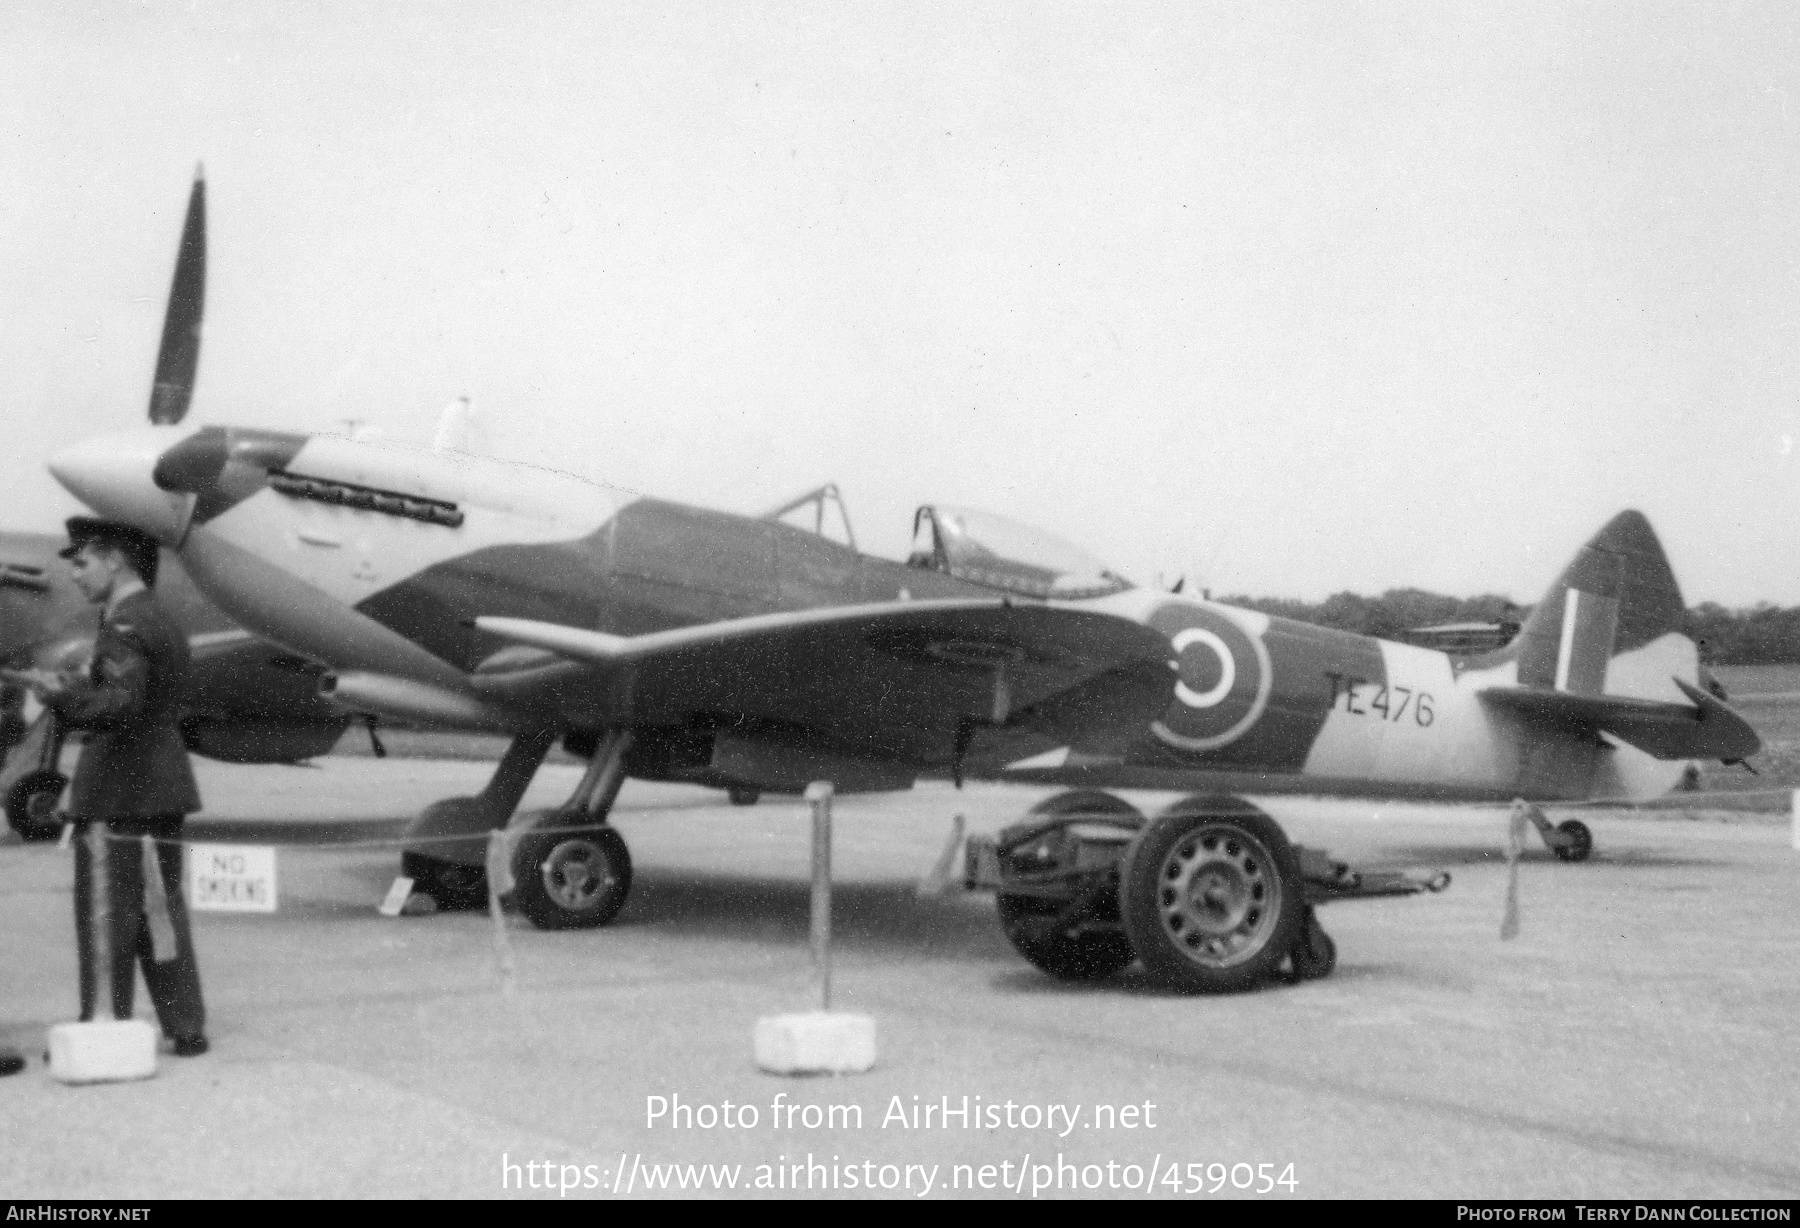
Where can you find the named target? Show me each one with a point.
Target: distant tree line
(1762, 635)
(1390, 615)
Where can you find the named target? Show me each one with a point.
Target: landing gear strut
(453, 871)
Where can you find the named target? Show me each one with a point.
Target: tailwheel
(1039, 930)
(1577, 841)
(31, 804)
(743, 795)
(571, 879)
(1211, 895)
(1315, 954)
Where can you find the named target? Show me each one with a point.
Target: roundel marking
(1227, 668)
(1223, 678)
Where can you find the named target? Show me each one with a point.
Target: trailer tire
(1034, 927)
(1315, 954)
(1211, 896)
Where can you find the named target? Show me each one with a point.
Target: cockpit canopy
(989, 549)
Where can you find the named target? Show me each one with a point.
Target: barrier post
(818, 795)
(821, 1041)
(1794, 819)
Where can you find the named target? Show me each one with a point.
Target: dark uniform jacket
(134, 762)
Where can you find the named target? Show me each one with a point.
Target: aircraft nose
(114, 475)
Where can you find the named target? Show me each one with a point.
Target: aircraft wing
(898, 680)
(1708, 729)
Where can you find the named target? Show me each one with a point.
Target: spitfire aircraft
(668, 642)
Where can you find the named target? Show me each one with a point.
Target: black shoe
(11, 1062)
(189, 1046)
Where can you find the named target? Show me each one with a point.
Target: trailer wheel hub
(1218, 894)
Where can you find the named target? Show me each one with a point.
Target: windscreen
(990, 549)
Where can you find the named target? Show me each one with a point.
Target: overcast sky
(1287, 298)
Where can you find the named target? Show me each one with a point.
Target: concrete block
(817, 1042)
(104, 1051)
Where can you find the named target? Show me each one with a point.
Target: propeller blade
(179, 356)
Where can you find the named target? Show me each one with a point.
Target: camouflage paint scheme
(376, 560)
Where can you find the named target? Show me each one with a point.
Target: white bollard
(822, 1041)
(816, 1042)
(102, 1051)
(1794, 818)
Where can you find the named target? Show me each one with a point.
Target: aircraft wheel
(1315, 955)
(1211, 896)
(571, 880)
(741, 796)
(1031, 924)
(31, 804)
(1580, 840)
(450, 884)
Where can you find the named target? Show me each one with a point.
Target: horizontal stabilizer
(1708, 729)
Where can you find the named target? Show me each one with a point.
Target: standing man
(132, 788)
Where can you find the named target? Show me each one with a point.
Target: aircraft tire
(31, 804)
(1211, 896)
(571, 880)
(451, 885)
(1581, 840)
(1315, 954)
(1030, 924)
(742, 796)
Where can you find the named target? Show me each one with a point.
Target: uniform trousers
(114, 933)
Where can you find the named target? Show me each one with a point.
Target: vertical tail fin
(1616, 595)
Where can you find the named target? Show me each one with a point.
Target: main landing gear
(1210, 895)
(570, 870)
(31, 798)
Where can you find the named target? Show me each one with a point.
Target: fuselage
(376, 558)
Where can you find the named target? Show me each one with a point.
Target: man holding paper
(132, 788)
